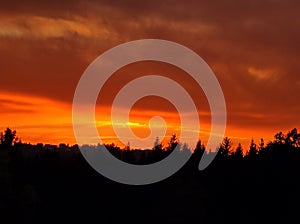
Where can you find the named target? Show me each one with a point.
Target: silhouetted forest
(54, 184)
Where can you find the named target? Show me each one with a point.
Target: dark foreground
(58, 186)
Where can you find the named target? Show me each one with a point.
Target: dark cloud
(251, 46)
(8, 106)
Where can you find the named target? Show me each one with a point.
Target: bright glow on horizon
(27, 115)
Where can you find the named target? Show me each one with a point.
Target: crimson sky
(252, 47)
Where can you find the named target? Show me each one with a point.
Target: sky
(251, 46)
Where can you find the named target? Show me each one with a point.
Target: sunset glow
(44, 50)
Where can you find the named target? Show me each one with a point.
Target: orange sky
(252, 47)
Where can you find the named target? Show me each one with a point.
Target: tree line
(257, 184)
(281, 144)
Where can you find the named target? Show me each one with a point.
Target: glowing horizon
(57, 128)
(44, 50)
